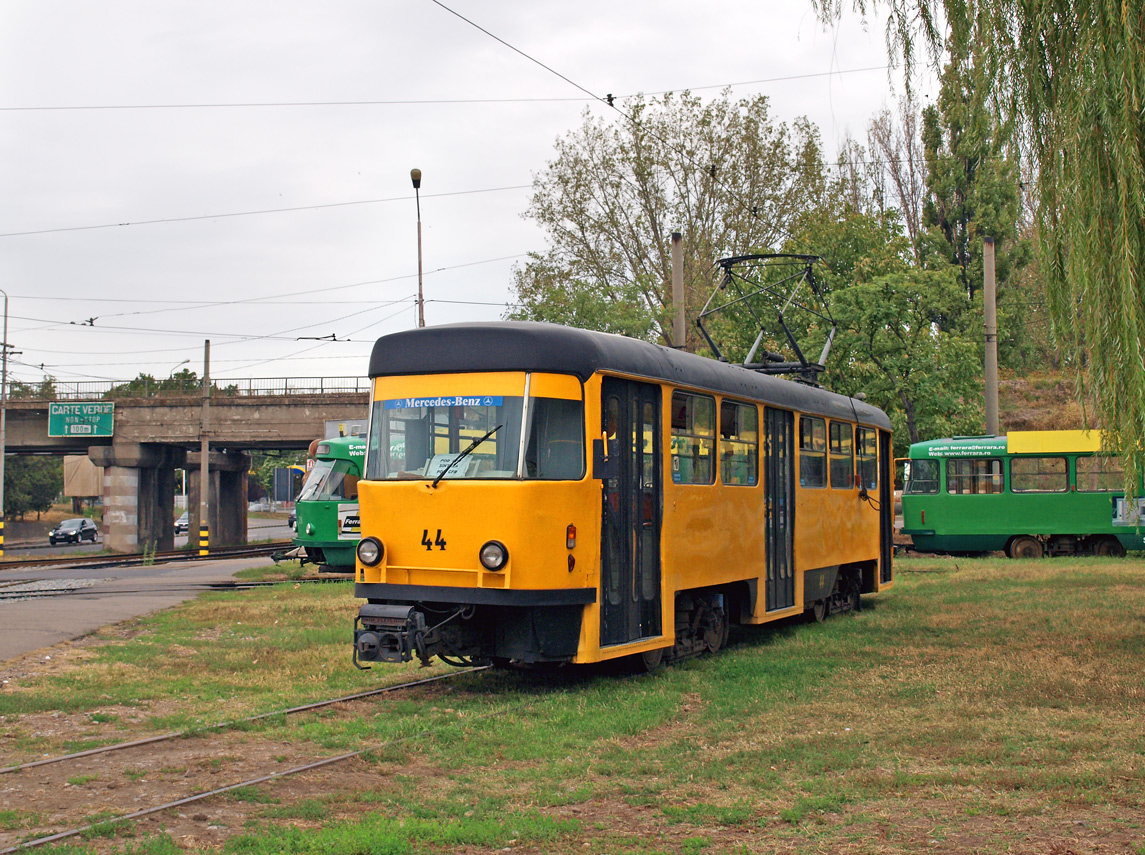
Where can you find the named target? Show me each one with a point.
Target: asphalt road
(102, 595)
(258, 530)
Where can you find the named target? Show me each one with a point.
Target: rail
(147, 387)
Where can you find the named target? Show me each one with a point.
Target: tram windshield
(427, 438)
(330, 480)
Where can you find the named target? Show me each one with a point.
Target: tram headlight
(494, 555)
(370, 551)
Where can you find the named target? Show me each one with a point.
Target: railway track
(15, 772)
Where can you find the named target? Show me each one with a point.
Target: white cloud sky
(345, 263)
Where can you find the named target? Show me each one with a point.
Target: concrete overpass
(155, 435)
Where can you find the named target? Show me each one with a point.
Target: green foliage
(901, 337)
(184, 382)
(263, 464)
(45, 390)
(1069, 77)
(31, 484)
(722, 173)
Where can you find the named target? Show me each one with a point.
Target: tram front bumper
(384, 633)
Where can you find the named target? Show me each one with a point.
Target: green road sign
(81, 419)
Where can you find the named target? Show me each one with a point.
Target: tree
(972, 184)
(184, 382)
(722, 173)
(900, 340)
(1069, 77)
(31, 484)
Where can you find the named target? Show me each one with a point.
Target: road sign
(82, 420)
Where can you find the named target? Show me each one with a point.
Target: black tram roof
(550, 348)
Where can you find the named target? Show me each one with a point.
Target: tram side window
(693, 438)
(973, 475)
(739, 443)
(842, 460)
(867, 447)
(922, 476)
(812, 452)
(555, 448)
(1039, 475)
(1100, 474)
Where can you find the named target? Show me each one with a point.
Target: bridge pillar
(228, 511)
(138, 494)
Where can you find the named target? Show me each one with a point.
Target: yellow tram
(536, 493)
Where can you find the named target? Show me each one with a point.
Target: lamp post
(3, 414)
(415, 176)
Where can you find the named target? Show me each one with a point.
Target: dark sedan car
(183, 524)
(73, 531)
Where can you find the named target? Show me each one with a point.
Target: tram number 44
(438, 541)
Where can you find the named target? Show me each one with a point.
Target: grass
(978, 700)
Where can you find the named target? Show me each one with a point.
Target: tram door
(630, 544)
(779, 491)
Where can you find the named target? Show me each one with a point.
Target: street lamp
(415, 176)
(171, 373)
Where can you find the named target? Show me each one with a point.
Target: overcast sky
(176, 171)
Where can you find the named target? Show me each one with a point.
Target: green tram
(1029, 493)
(327, 525)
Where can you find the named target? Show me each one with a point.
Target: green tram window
(693, 438)
(330, 480)
(812, 452)
(842, 458)
(1100, 474)
(921, 477)
(973, 475)
(739, 443)
(867, 447)
(1039, 475)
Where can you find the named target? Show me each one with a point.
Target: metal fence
(63, 390)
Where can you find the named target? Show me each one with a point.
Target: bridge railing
(88, 390)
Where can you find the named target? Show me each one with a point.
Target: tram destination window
(867, 448)
(1100, 474)
(812, 452)
(973, 475)
(921, 476)
(739, 443)
(1039, 475)
(841, 454)
(693, 438)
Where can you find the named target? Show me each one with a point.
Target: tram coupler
(384, 633)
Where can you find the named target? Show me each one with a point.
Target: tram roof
(529, 346)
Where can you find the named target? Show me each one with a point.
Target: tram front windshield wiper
(465, 453)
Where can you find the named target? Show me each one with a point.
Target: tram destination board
(87, 420)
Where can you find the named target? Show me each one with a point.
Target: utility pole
(990, 314)
(3, 415)
(679, 334)
(205, 454)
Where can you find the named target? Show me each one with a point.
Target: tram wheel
(820, 611)
(716, 634)
(1026, 547)
(1110, 546)
(650, 660)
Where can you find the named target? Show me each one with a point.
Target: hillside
(1040, 401)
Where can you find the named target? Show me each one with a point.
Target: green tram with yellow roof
(1029, 494)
